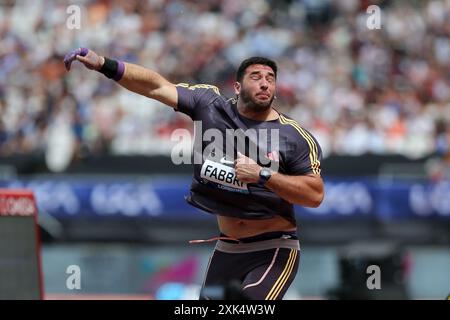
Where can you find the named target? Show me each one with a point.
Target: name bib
(221, 174)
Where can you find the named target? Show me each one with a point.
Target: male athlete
(258, 245)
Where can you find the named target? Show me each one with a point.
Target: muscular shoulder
(306, 152)
(200, 87)
(295, 133)
(192, 98)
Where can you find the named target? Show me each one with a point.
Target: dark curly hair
(255, 60)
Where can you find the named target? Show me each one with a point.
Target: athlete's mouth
(263, 95)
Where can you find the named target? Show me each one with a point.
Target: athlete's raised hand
(89, 58)
(247, 170)
(131, 76)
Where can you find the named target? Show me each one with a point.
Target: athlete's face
(257, 88)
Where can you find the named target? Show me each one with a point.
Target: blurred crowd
(381, 91)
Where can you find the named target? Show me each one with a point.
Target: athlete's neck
(266, 115)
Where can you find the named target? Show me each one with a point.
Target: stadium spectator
(357, 90)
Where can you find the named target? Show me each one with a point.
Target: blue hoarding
(163, 197)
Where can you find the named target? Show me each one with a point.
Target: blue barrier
(361, 198)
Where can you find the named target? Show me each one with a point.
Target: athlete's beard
(254, 105)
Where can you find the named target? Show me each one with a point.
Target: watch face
(265, 172)
(264, 175)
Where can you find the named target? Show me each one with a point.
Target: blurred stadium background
(98, 157)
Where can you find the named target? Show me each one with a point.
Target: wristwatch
(264, 175)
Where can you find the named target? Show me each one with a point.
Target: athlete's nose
(264, 85)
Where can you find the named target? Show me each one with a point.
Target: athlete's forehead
(259, 69)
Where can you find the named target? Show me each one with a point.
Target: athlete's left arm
(306, 190)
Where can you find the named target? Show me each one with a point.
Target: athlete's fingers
(246, 160)
(82, 59)
(240, 163)
(68, 58)
(239, 175)
(251, 161)
(241, 158)
(71, 56)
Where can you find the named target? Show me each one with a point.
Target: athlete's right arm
(149, 83)
(135, 78)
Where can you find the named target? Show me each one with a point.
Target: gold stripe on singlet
(313, 150)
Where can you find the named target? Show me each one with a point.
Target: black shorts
(257, 268)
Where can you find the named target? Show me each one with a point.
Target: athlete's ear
(237, 88)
